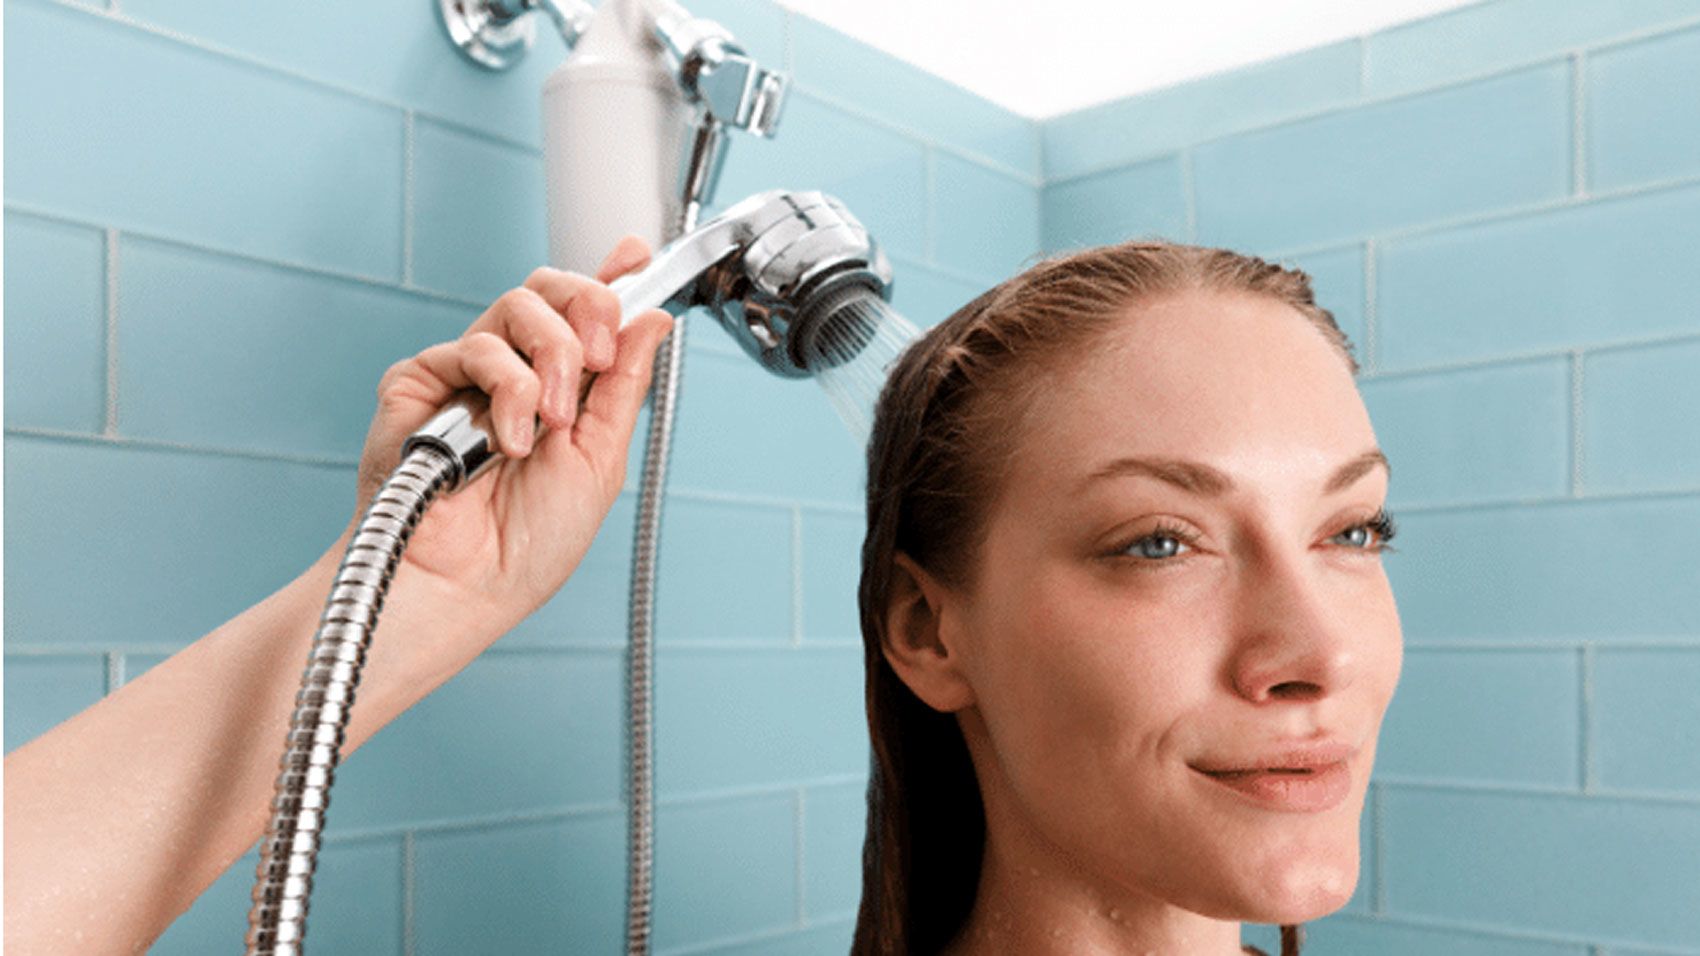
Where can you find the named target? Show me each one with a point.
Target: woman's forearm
(185, 759)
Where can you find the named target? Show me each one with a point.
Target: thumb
(603, 430)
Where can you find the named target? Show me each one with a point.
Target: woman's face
(1180, 640)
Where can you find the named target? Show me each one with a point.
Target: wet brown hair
(947, 421)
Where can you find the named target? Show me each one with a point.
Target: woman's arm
(119, 818)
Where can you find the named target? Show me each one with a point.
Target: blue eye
(1160, 545)
(1380, 525)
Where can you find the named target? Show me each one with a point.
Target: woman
(1076, 750)
(1128, 636)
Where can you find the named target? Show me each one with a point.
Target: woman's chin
(1302, 890)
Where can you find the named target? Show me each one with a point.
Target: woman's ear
(920, 642)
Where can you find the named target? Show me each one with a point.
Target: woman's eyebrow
(1205, 481)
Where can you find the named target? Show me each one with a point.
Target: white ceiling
(1054, 56)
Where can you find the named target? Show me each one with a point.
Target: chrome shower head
(787, 274)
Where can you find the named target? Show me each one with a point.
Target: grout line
(110, 424)
(1577, 450)
(723, 944)
(1565, 793)
(407, 198)
(409, 885)
(796, 576)
(1552, 645)
(1589, 775)
(1363, 65)
(1378, 858)
(1190, 191)
(114, 671)
(799, 802)
(309, 269)
(1372, 317)
(1578, 127)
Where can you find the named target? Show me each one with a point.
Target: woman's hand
(503, 544)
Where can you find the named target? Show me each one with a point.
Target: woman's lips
(1306, 780)
(1306, 790)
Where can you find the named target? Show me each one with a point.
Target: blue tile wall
(1638, 408)
(1477, 434)
(1143, 200)
(1503, 218)
(1486, 37)
(1589, 274)
(1167, 120)
(1496, 143)
(1498, 204)
(43, 690)
(56, 325)
(1641, 117)
(1647, 719)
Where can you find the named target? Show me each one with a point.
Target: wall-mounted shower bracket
(495, 33)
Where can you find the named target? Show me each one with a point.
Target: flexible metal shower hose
(289, 852)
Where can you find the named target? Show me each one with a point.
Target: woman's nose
(1293, 642)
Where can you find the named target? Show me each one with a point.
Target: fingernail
(563, 396)
(522, 432)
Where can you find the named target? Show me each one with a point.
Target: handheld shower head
(781, 272)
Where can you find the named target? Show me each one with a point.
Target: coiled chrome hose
(289, 852)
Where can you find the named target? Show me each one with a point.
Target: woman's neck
(1035, 901)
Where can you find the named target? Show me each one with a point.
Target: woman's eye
(1370, 536)
(1159, 545)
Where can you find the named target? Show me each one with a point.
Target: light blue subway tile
(356, 905)
(43, 691)
(1472, 435)
(55, 324)
(549, 887)
(832, 571)
(987, 223)
(1565, 866)
(1337, 279)
(1144, 200)
(1586, 275)
(237, 354)
(867, 79)
(835, 821)
(592, 607)
(512, 733)
(1351, 935)
(744, 430)
(1639, 407)
(829, 939)
(739, 718)
(1643, 125)
(880, 175)
(1646, 719)
(1483, 37)
(1568, 571)
(725, 573)
(926, 297)
(179, 542)
(1170, 119)
(1510, 717)
(1497, 143)
(724, 869)
(413, 65)
(136, 131)
(478, 213)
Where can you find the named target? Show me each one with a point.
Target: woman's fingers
(591, 309)
(628, 254)
(486, 361)
(526, 319)
(605, 423)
